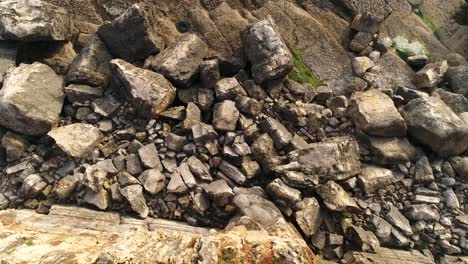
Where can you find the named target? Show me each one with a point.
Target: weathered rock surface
(31, 99)
(393, 150)
(460, 165)
(336, 198)
(77, 140)
(458, 79)
(373, 178)
(431, 75)
(149, 92)
(225, 116)
(8, 53)
(134, 195)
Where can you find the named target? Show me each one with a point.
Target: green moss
(227, 256)
(420, 13)
(29, 242)
(303, 74)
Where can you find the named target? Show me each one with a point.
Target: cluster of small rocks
(128, 124)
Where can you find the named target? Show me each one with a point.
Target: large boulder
(131, 36)
(31, 99)
(77, 140)
(180, 63)
(267, 52)
(374, 113)
(434, 124)
(149, 92)
(33, 20)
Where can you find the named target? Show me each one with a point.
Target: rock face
(375, 113)
(31, 99)
(180, 63)
(32, 20)
(267, 52)
(131, 36)
(149, 92)
(77, 140)
(225, 116)
(434, 124)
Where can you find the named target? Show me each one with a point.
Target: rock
(298, 179)
(259, 209)
(149, 92)
(457, 102)
(199, 169)
(105, 106)
(373, 178)
(361, 65)
(95, 177)
(180, 63)
(280, 191)
(423, 171)
(176, 113)
(417, 60)
(269, 55)
(56, 55)
(77, 140)
(431, 75)
(134, 195)
(15, 146)
(340, 163)
(99, 199)
(423, 212)
(3, 202)
(277, 131)
(30, 20)
(187, 175)
(126, 179)
(336, 198)
(250, 168)
(78, 93)
(26, 114)
(201, 202)
(460, 165)
(458, 79)
(91, 66)
(152, 180)
(220, 192)
(66, 186)
(249, 106)
(433, 123)
(365, 241)
(423, 199)
(451, 199)
(176, 184)
(389, 151)
(388, 255)
(360, 41)
(32, 185)
(228, 89)
(133, 164)
(399, 221)
(254, 90)
(8, 53)
(366, 22)
(175, 142)
(192, 116)
(310, 217)
(225, 116)
(209, 73)
(149, 157)
(131, 36)
(374, 113)
(232, 172)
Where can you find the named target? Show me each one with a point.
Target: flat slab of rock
(373, 178)
(149, 92)
(77, 140)
(336, 159)
(31, 99)
(269, 55)
(434, 124)
(32, 20)
(180, 63)
(391, 150)
(375, 113)
(336, 198)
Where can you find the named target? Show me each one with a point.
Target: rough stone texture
(149, 92)
(388, 151)
(77, 140)
(336, 198)
(398, 220)
(458, 79)
(375, 114)
(423, 212)
(225, 116)
(8, 53)
(152, 180)
(310, 217)
(431, 75)
(134, 195)
(433, 123)
(131, 36)
(149, 157)
(364, 240)
(267, 52)
(373, 178)
(387, 255)
(77, 93)
(228, 89)
(460, 165)
(31, 99)
(32, 20)
(180, 63)
(457, 102)
(56, 55)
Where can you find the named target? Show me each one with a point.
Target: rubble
(77, 140)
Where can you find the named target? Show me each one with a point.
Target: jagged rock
(180, 63)
(398, 220)
(431, 75)
(423, 171)
(66, 186)
(279, 190)
(451, 199)
(417, 60)
(187, 175)
(78, 93)
(249, 106)
(269, 55)
(373, 178)
(149, 157)
(3, 202)
(209, 73)
(232, 172)
(360, 41)
(91, 66)
(220, 192)
(261, 210)
(298, 179)
(340, 163)
(336, 198)
(131, 36)
(277, 131)
(77, 140)
(457, 102)
(192, 116)
(176, 184)
(152, 180)
(388, 255)
(434, 124)
(199, 169)
(105, 106)
(30, 20)
(175, 142)
(31, 99)
(134, 195)
(95, 176)
(149, 92)
(366, 22)
(176, 113)
(126, 179)
(133, 164)
(228, 89)
(310, 216)
(365, 241)
(361, 65)
(8, 54)
(32, 185)
(254, 90)
(15, 146)
(100, 199)
(423, 212)
(394, 150)
(458, 79)
(460, 165)
(205, 98)
(375, 113)
(56, 55)
(203, 133)
(225, 116)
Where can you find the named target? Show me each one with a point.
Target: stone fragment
(361, 65)
(423, 199)
(66, 186)
(269, 55)
(32, 185)
(393, 150)
(375, 113)
(125, 179)
(366, 22)
(149, 92)
(458, 79)
(134, 195)
(225, 116)
(149, 157)
(31, 99)
(199, 169)
(56, 55)
(451, 199)
(180, 63)
(336, 198)
(192, 116)
(298, 179)
(249, 106)
(423, 171)
(95, 178)
(431, 75)
(399, 221)
(277, 131)
(77, 140)
(105, 106)
(418, 61)
(187, 175)
(175, 142)
(373, 178)
(15, 146)
(79, 93)
(360, 41)
(152, 180)
(365, 241)
(220, 192)
(423, 212)
(201, 202)
(176, 113)
(232, 172)
(228, 89)
(131, 36)
(254, 90)
(133, 164)
(310, 217)
(433, 123)
(260, 209)
(457, 102)
(280, 191)
(99, 199)
(8, 53)
(460, 165)
(209, 73)
(176, 184)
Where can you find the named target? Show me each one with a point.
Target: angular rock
(8, 53)
(77, 140)
(31, 99)
(91, 66)
(365, 241)
(431, 75)
(423, 212)
(209, 73)
(131, 36)
(133, 164)
(149, 92)
(175, 142)
(434, 124)
(310, 217)
(457, 102)
(31, 20)
(366, 22)
(228, 89)
(56, 55)
(180, 63)
(199, 169)
(32, 185)
(149, 157)
(78, 93)
(277, 131)
(15, 146)
(269, 55)
(134, 195)
(225, 116)
(249, 106)
(176, 184)
(399, 221)
(279, 190)
(152, 180)
(232, 172)
(220, 192)
(66, 186)
(95, 178)
(451, 199)
(375, 113)
(192, 116)
(373, 178)
(126, 179)
(105, 106)
(298, 179)
(336, 198)
(99, 199)
(458, 79)
(389, 151)
(187, 175)
(260, 209)
(423, 171)
(361, 65)
(460, 165)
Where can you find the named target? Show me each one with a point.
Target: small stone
(149, 157)
(79, 93)
(220, 192)
(99, 199)
(134, 195)
(152, 180)
(423, 212)
(133, 164)
(399, 221)
(373, 178)
(209, 73)
(417, 61)
(106, 106)
(192, 117)
(77, 140)
(15, 146)
(228, 89)
(336, 198)
(366, 22)
(125, 179)
(175, 142)
(451, 199)
(278, 132)
(232, 172)
(176, 184)
(249, 106)
(66, 186)
(361, 65)
(199, 169)
(431, 75)
(225, 116)
(310, 217)
(422, 199)
(279, 190)
(365, 241)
